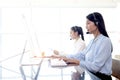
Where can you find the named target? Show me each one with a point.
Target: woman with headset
(76, 34)
(96, 57)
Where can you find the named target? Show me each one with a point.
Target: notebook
(57, 63)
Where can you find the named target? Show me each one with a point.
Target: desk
(34, 74)
(43, 71)
(60, 64)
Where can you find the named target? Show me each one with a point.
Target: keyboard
(57, 63)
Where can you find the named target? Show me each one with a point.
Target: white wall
(51, 27)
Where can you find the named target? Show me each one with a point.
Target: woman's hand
(56, 52)
(71, 61)
(67, 60)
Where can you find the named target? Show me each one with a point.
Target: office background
(45, 28)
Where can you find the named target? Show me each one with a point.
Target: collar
(95, 39)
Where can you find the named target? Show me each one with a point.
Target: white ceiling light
(58, 3)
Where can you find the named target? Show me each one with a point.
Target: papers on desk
(57, 63)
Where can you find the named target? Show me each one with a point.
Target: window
(45, 28)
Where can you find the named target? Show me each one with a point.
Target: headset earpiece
(96, 21)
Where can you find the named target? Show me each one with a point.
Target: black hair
(97, 18)
(79, 30)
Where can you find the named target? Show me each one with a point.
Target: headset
(75, 28)
(96, 21)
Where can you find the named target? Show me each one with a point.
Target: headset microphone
(87, 32)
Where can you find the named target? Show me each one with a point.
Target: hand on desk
(71, 61)
(56, 52)
(57, 56)
(67, 60)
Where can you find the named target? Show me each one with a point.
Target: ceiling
(59, 3)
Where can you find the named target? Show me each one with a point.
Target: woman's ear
(76, 33)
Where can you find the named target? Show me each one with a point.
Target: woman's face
(91, 27)
(73, 34)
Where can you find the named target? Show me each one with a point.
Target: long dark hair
(98, 21)
(79, 30)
